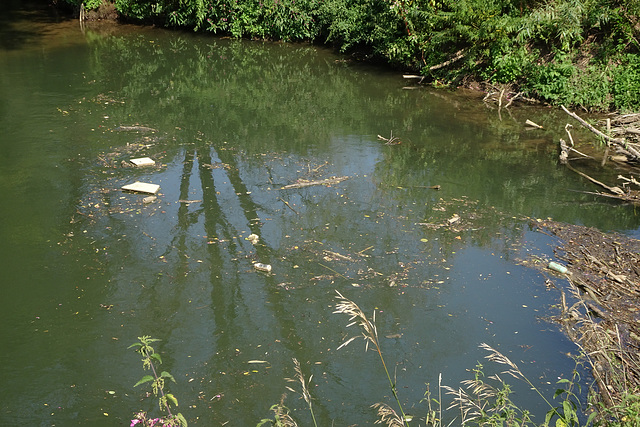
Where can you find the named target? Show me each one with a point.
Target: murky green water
(87, 268)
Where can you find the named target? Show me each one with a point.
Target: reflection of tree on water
(232, 294)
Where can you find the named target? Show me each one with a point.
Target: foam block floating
(142, 187)
(143, 161)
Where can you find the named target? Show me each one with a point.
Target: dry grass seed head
(469, 408)
(282, 414)
(497, 357)
(300, 378)
(387, 415)
(350, 308)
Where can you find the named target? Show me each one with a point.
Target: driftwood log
(632, 151)
(304, 183)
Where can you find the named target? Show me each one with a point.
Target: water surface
(87, 268)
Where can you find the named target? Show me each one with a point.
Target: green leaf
(172, 398)
(136, 344)
(145, 379)
(181, 419)
(156, 356)
(166, 374)
(549, 416)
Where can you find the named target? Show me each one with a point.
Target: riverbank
(604, 320)
(580, 54)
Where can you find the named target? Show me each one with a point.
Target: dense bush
(556, 50)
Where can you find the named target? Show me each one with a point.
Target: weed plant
(149, 360)
(480, 401)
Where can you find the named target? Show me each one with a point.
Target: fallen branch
(458, 55)
(328, 181)
(615, 190)
(620, 142)
(392, 140)
(592, 129)
(288, 205)
(513, 99)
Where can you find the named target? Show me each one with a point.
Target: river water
(88, 268)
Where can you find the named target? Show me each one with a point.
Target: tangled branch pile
(605, 276)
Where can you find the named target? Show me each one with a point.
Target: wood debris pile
(605, 322)
(626, 126)
(623, 150)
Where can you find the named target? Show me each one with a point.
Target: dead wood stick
(459, 54)
(614, 190)
(564, 152)
(334, 180)
(288, 205)
(338, 255)
(364, 250)
(592, 129)
(512, 99)
(320, 167)
(631, 180)
(606, 150)
(567, 128)
(619, 141)
(631, 130)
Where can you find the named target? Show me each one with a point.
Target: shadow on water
(23, 23)
(235, 121)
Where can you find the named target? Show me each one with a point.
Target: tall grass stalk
(304, 392)
(370, 335)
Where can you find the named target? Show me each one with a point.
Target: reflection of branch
(392, 140)
(288, 205)
(614, 190)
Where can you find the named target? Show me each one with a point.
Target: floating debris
(533, 124)
(262, 267)
(305, 183)
(143, 161)
(142, 187)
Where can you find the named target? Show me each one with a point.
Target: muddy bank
(604, 273)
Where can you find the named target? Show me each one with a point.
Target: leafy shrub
(494, 40)
(551, 81)
(626, 84)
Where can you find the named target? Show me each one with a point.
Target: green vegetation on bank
(582, 53)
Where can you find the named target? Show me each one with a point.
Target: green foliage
(626, 84)
(539, 47)
(149, 360)
(627, 413)
(551, 80)
(92, 4)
